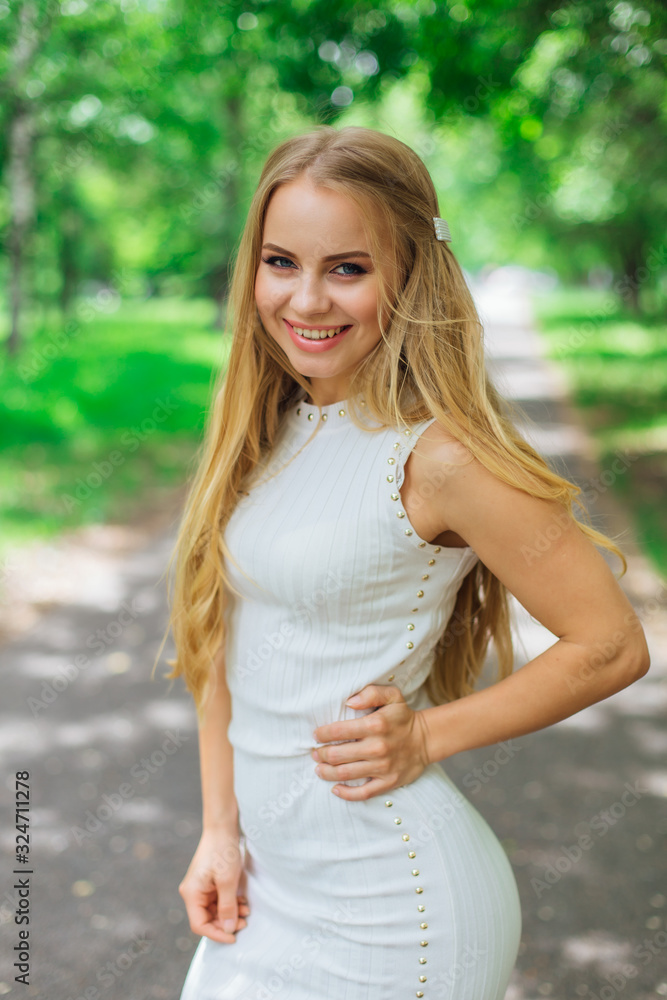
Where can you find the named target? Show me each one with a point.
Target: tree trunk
(218, 277)
(629, 283)
(67, 256)
(218, 285)
(20, 136)
(21, 209)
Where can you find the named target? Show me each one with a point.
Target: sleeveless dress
(407, 894)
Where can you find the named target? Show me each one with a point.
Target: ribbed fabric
(339, 591)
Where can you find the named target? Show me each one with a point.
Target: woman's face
(315, 275)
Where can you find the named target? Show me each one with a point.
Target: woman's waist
(281, 727)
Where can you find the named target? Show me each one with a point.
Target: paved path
(114, 770)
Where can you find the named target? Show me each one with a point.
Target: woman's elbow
(636, 661)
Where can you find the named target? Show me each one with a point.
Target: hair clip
(442, 230)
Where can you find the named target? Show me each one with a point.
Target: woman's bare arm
(219, 808)
(213, 887)
(562, 580)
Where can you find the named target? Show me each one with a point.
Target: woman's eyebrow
(333, 256)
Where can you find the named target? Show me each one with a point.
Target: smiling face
(316, 287)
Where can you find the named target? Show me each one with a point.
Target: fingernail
(228, 926)
(354, 700)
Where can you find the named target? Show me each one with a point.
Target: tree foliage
(132, 131)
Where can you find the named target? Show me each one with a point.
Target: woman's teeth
(317, 334)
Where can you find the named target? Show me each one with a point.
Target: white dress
(408, 894)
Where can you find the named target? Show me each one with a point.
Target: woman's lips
(315, 345)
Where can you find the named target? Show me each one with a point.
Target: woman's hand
(387, 745)
(214, 885)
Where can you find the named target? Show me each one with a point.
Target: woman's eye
(356, 269)
(284, 264)
(274, 260)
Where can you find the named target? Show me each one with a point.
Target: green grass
(94, 420)
(616, 366)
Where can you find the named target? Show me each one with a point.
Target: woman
(362, 507)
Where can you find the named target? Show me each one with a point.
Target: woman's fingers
(228, 911)
(215, 892)
(344, 772)
(201, 907)
(212, 913)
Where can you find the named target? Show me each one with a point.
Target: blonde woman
(362, 507)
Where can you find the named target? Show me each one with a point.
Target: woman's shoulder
(438, 444)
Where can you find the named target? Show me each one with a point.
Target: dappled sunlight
(171, 712)
(525, 379)
(592, 779)
(17, 731)
(655, 782)
(96, 729)
(649, 739)
(144, 811)
(598, 950)
(562, 440)
(594, 719)
(647, 696)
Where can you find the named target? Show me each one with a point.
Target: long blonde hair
(429, 362)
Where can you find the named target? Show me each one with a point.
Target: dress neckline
(307, 414)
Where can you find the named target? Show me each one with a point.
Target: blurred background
(132, 134)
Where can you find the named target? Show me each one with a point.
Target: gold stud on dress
(418, 889)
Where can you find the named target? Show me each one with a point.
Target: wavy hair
(428, 363)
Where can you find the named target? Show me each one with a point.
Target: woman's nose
(311, 296)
